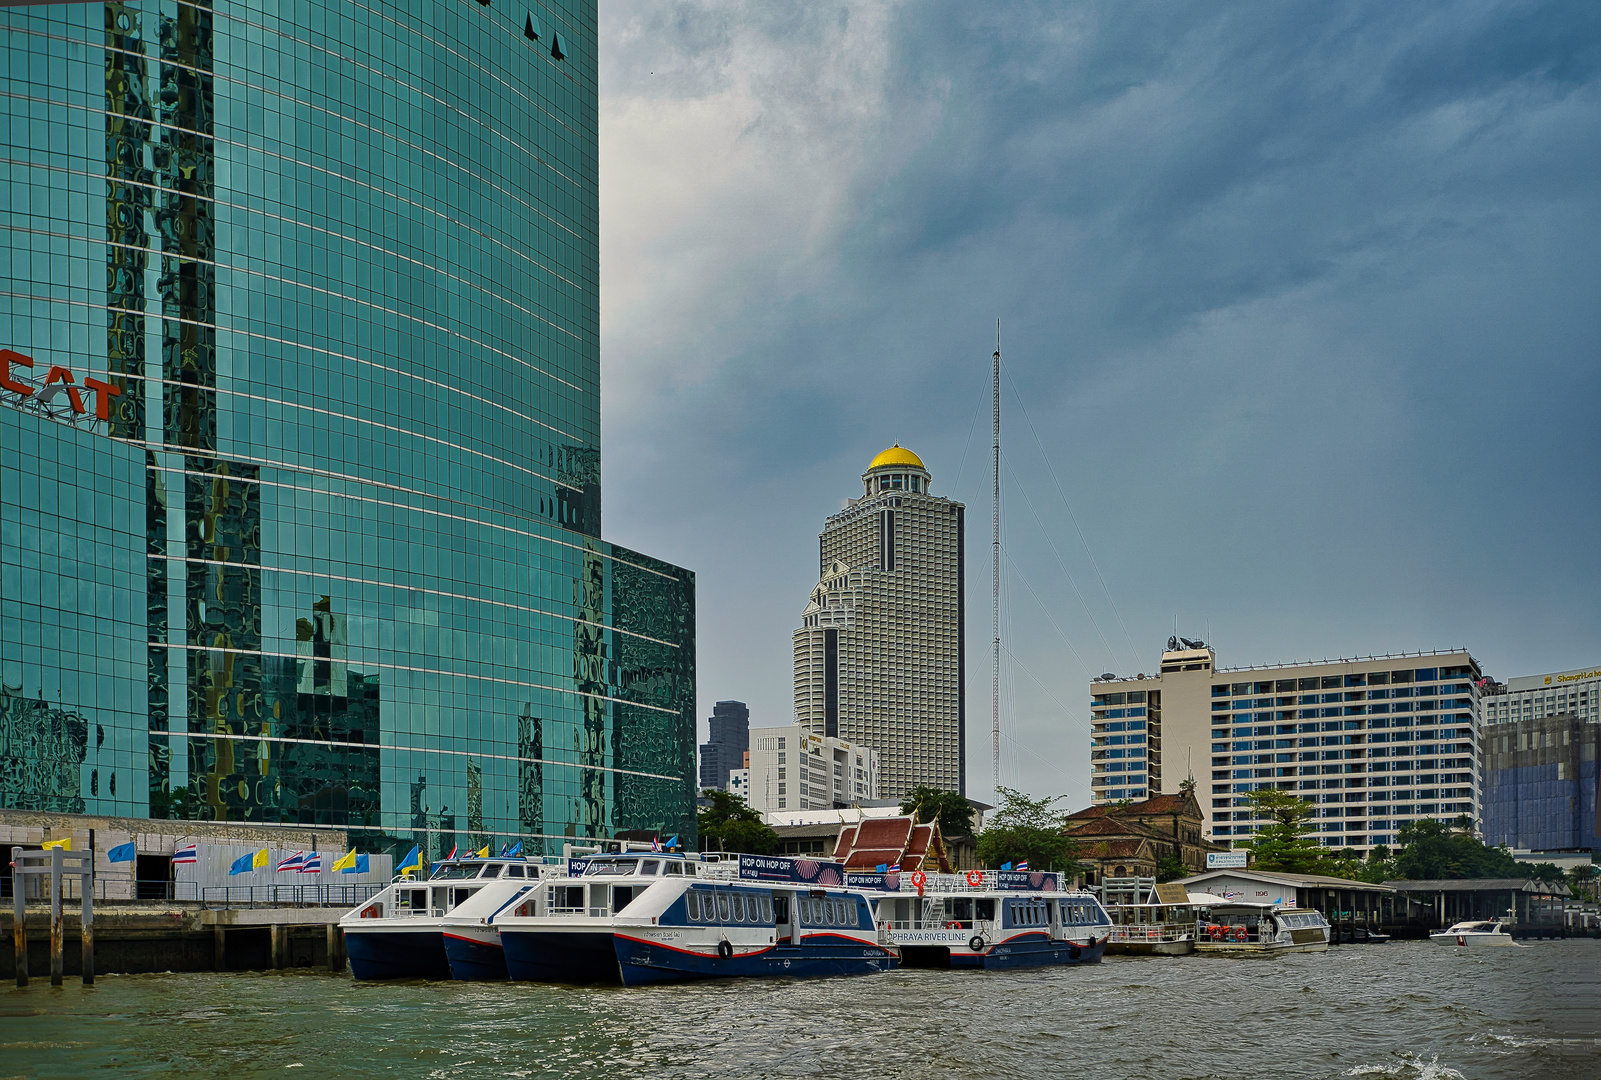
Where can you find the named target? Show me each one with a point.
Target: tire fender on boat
(976, 943)
(725, 949)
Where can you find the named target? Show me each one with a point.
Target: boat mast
(995, 566)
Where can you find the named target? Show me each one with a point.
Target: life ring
(725, 949)
(1240, 933)
(975, 877)
(919, 879)
(976, 943)
(369, 912)
(1210, 933)
(954, 924)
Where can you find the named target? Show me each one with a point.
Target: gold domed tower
(880, 657)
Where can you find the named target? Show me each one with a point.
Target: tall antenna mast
(995, 568)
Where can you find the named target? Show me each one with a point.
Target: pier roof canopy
(1528, 885)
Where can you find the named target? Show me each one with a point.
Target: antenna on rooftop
(995, 567)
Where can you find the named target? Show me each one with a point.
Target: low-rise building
(1123, 839)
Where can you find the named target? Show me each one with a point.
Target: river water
(1406, 1009)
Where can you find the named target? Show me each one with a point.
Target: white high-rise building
(1374, 742)
(793, 769)
(1531, 697)
(880, 657)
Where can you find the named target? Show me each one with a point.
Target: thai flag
(185, 854)
(1023, 865)
(311, 864)
(292, 863)
(452, 854)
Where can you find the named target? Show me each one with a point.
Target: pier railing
(217, 896)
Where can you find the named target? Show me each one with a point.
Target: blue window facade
(300, 498)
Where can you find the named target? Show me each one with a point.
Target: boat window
(767, 909)
(455, 872)
(649, 867)
(739, 907)
(491, 871)
(673, 868)
(963, 908)
(985, 909)
(514, 871)
(852, 913)
(724, 908)
(567, 897)
(821, 912)
(803, 908)
(607, 868)
(621, 897)
(692, 905)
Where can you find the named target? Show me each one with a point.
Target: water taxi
(1473, 932)
(1240, 929)
(640, 918)
(986, 919)
(399, 933)
(1148, 919)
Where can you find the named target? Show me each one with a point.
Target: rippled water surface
(1405, 1009)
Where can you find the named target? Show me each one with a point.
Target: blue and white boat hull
(474, 959)
(396, 953)
(560, 956)
(642, 961)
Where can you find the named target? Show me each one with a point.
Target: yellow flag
(65, 844)
(346, 863)
(484, 854)
(261, 859)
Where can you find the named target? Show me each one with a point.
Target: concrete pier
(134, 937)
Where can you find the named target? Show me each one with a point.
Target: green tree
(1547, 872)
(951, 808)
(1433, 850)
(1582, 880)
(1379, 867)
(730, 825)
(1285, 844)
(1171, 868)
(1024, 828)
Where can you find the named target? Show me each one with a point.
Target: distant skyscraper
(879, 656)
(725, 750)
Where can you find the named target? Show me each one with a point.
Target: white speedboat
(399, 933)
(1473, 932)
(1260, 930)
(641, 918)
(987, 919)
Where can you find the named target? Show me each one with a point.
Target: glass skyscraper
(300, 429)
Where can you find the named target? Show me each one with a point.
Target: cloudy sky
(1299, 308)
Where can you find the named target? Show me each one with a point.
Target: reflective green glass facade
(300, 429)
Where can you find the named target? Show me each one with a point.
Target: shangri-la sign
(57, 394)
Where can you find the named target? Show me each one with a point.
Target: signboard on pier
(1227, 860)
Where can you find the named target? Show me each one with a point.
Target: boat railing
(1153, 932)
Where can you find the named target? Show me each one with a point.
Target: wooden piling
(57, 966)
(219, 949)
(19, 921)
(86, 930)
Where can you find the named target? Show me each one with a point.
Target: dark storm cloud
(1301, 299)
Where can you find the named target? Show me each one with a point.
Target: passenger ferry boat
(1241, 929)
(1148, 919)
(643, 918)
(399, 933)
(987, 919)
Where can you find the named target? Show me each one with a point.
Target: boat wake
(1412, 1067)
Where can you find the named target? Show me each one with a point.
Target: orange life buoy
(919, 878)
(369, 912)
(1240, 934)
(975, 877)
(953, 925)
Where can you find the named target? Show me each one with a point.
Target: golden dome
(896, 455)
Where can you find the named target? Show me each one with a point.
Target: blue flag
(516, 849)
(881, 868)
(359, 866)
(121, 853)
(243, 864)
(672, 842)
(1006, 866)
